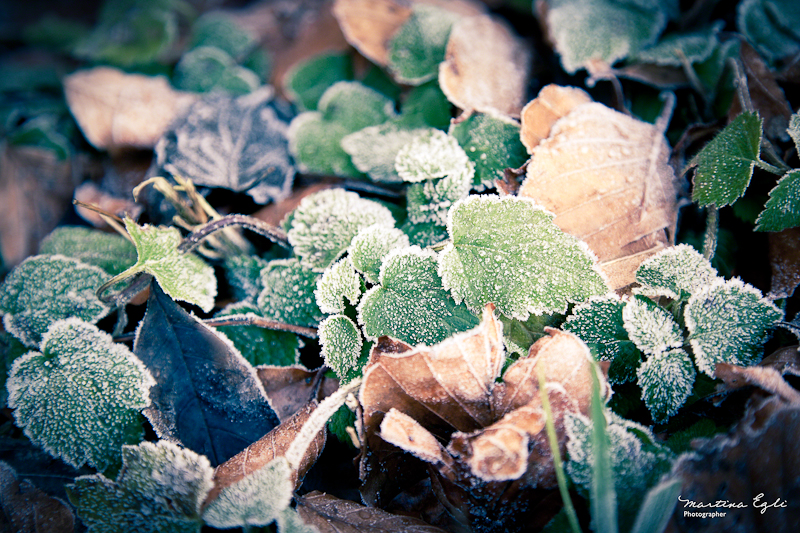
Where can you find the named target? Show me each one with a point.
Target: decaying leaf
(605, 176)
(784, 254)
(290, 388)
(485, 67)
(24, 508)
(115, 109)
(762, 376)
(540, 114)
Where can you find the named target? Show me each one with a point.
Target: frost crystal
(503, 251)
(324, 223)
(288, 294)
(433, 154)
(729, 322)
(113, 253)
(338, 282)
(160, 488)
(431, 200)
(373, 150)
(341, 345)
(260, 346)
(666, 379)
(410, 303)
(677, 273)
(651, 327)
(782, 210)
(80, 397)
(371, 245)
(46, 288)
(243, 273)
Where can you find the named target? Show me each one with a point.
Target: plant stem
(712, 228)
(192, 241)
(137, 284)
(251, 319)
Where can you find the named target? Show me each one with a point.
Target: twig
(191, 241)
(251, 319)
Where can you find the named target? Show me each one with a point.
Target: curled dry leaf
(115, 109)
(552, 103)
(764, 377)
(784, 258)
(290, 388)
(606, 177)
(24, 508)
(485, 67)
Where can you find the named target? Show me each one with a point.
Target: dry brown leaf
(275, 212)
(24, 508)
(290, 388)
(784, 258)
(606, 177)
(552, 103)
(763, 376)
(271, 446)
(485, 67)
(330, 514)
(117, 110)
(89, 193)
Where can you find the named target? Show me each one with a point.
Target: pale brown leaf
(552, 103)
(485, 67)
(24, 508)
(290, 388)
(784, 259)
(115, 109)
(764, 377)
(404, 432)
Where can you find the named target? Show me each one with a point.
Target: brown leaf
(784, 258)
(330, 514)
(485, 67)
(275, 212)
(89, 193)
(272, 445)
(552, 103)
(605, 176)
(762, 376)
(24, 508)
(115, 109)
(290, 388)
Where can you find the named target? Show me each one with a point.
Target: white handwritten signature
(726, 504)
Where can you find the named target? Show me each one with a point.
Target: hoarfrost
(113, 253)
(430, 155)
(339, 281)
(371, 245)
(677, 272)
(666, 379)
(373, 150)
(341, 345)
(651, 327)
(417, 48)
(288, 294)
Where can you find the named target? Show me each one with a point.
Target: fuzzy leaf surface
(666, 379)
(771, 25)
(681, 49)
(243, 274)
(374, 149)
(260, 346)
(111, 252)
(431, 200)
(288, 294)
(418, 46)
(341, 345)
(432, 154)
(651, 328)
(371, 245)
(782, 210)
(340, 281)
(80, 397)
(501, 253)
(677, 272)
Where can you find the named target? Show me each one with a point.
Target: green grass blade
(603, 496)
(657, 507)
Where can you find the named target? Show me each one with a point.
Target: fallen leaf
(784, 255)
(89, 193)
(485, 67)
(115, 109)
(289, 388)
(552, 103)
(606, 177)
(26, 509)
(764, 377)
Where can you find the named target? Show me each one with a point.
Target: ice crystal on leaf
(417, 48)
(371, 245)
(341, 345)
(324, 223)
(374, 149)
(80, 397)
(728, 322)
(794, 130)
(339, 281)
(677, 272)
(288, 294)
(46, 288)
(503, 251)
(424, 234)
(666, 379)
(183, 276)
(410, 304)
(433, 154)
(782, 210)
(111, 252)
(260, 346)
(243, 273)
(431, 200)
(160, 488)
(650, 327)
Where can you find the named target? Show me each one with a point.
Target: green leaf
(682, 49)
(417, 48)
(10, 350)
(374, 149)
(501, 252)
(651, 328)
(410, 304)
(657, 507)
(607, 30)
(183, 276)
(677, 272)
(306, 82)
(425, 106)
(725, 165)
(794, 130)
(113, 253)
(243, 273)
(602, 493)
(341, 346)
(260, 346)
(492, 143)
(772, 26)
(255, 500)
(46, 288)
(339, 281)
(518, 336)
(288, 294)
(221, 31)
(599, 323)
(160, 488)
(782, 210)
(80, 397)
(201, 69)
(431, 200)
(324, 223)
(424, 234)
(371, 245)
(433, 154)
(666, 379)
(728, 322)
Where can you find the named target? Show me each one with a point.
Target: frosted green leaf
(666, 379)
(503, 251)
(183, 276)
(341, 345)
(599, 323)
(431, 200)
(782, 210)
(417, 48)
(425, 105)
(237, 80)
(355, 105)
(677, 272)
(161, 487)
(288, 294)
(339, 281)
(221, 31)
(255, 500)
(371, 245)
(307, 81)
(80, 397)
(682, 49)
(771, 25)
(46, 288)
(424, 234)
(794, 130)
(725, 165)
(324, 223)
(10, 350)
(201, 69)
(728, 322)
(492, 143)
(289, 521)
(260, 346)
(111, 252)
(651, 327)
(605, 30)
(518, 336)
(373, 150)
(430, 155)
(410, 304)
(243, 273)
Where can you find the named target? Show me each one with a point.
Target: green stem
(712, 229)
(138, 282)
